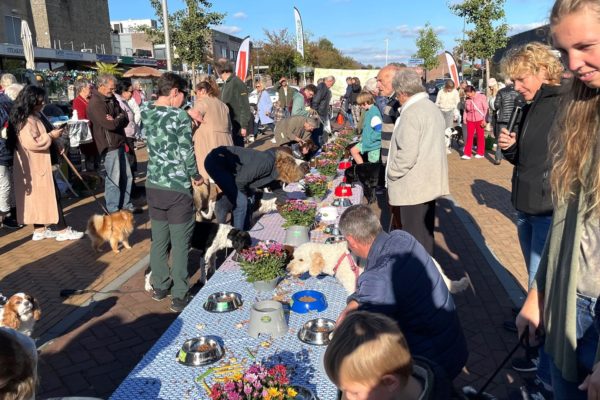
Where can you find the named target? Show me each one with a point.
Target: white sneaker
(45, 234)
(478, 156)
(68, 234)
(250, 139)
(465, 157)
(273, 140)
(448, 151)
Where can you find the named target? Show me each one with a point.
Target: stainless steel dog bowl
(223, 302)
(202, 350)
(317, 331)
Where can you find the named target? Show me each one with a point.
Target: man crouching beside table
(401, 281)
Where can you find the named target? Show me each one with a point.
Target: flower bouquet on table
(335, 148)
(315, 186)
(327, 167)
(263, 262)
(298, 212)
(329, 155)
(256, 383)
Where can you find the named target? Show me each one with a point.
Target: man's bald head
(384, 79)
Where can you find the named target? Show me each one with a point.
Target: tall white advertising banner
(243, 58)
(299, 33)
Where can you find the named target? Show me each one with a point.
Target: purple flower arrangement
(327, 167)
(263, 262)
(298, 212)
(315, 185)
(256, 383)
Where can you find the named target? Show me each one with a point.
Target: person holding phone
(32, 168)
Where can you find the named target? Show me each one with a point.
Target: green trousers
(177, 238)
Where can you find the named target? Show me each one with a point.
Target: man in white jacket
(417, 168)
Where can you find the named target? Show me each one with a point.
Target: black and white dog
(209, 238)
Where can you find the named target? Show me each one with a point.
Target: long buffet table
(160, 376)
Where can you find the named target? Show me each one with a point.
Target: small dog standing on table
(209, 238)
(20, 313)
(336, 260)
(114, 228)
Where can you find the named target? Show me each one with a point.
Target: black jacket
(252, 169)
(320, 102)
(6, 154)
(530, 155)
(505, 102)
(108, 135)
(354, 93)
(235, 94)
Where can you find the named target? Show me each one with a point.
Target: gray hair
(312, 122)
(360, 222)
(408, 82)
(7, 79)
(371, 86)
(105, 78)
(330, 78)
(80, 85)
(12, 91)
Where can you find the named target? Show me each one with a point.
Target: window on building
(224, 52)
(232, 54)
(12, 29)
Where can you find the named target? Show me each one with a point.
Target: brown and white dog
(205, 198)
(114, 228)
(20, 313)
(335, 260)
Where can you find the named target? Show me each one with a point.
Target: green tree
(428, 47)
(279, 53)
(489, 28)
(188, 28)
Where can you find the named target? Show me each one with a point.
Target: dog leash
(84, 183)
(353, 265)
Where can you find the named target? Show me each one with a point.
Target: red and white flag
(242, 62)
(452, 68)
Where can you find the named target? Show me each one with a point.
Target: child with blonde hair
(370, 141)
(358, 362)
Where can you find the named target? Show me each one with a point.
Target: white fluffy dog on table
(336, 260)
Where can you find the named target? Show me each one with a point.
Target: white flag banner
(241, 64)
(452, 68)
(299, 32)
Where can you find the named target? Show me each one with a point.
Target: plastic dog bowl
(344, 165)
(308, 300)
(343, 190)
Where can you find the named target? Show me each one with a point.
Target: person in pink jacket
(476, 109)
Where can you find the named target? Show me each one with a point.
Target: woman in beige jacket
(35, 192)
(215, 128)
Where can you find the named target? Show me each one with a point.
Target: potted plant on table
(256, 383)
(299, 215)
(327, 167)
(263, 264)
(315, 186)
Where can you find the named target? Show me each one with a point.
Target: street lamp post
(167, 39)
(386, 50)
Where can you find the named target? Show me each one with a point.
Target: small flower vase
(265, 286)
(296, 235)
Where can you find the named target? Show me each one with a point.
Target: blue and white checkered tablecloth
(159, 376)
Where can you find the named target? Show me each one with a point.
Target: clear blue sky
(357, 28)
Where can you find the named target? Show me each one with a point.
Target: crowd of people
(401, 304)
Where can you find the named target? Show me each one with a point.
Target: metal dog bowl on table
(199, 351)
(317, 331)
(223, 302)
(335, 239)
(308, 300)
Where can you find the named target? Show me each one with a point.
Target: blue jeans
(588, 327)
(532, 231)
(117, 180)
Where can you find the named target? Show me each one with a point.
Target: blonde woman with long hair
(562, 301)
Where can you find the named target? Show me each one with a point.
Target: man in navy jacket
(401, 281)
